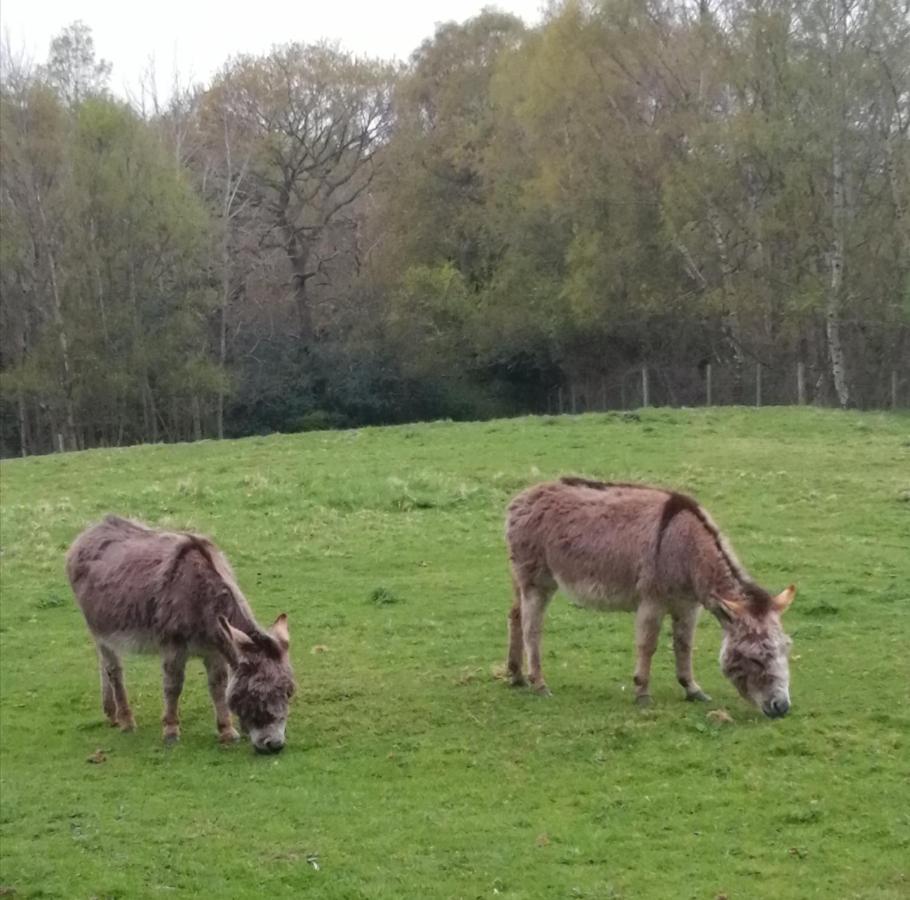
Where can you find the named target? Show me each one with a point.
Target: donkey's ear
(240, 639)
(280, 631)
(783, 600)
(729, 609)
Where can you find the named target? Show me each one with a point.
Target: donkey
(639, 548)
(175, 594)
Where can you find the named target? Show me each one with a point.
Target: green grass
(411, 771)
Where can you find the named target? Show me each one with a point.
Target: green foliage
(411, 770)
(513, 213)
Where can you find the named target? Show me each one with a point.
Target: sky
(195, 37)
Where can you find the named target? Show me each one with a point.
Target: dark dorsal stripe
(264, 642)
(759, 598)
(577, 481)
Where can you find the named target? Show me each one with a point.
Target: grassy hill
(411, 771)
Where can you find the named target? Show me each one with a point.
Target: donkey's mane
(759, 599)
(221, 569)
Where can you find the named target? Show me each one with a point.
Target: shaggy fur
(615, 546)
(175, 594)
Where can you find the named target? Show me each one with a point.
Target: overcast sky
(197, 36)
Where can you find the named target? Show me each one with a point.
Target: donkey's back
(592, 539)
(130, 583)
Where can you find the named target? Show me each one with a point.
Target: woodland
(516, 219)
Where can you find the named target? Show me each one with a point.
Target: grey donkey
(170, 593)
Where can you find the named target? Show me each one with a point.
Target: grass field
(410, 770)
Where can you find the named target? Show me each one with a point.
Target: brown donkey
(175, 594)
(639, 548)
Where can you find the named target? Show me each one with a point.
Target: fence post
(708, 384)
(894, 389)
(801, 383)
(603, 392)
(645, 396)
(758, 384)
(559, 400)
(572, 398)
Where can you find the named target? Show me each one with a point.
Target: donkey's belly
(604, 598)
(131, 641)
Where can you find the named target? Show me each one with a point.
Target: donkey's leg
(173, 669)
(684, 622)
(534, 602)
(108, 703)
(217, 670)
(647, 633)
(113, 670)
(516, 641)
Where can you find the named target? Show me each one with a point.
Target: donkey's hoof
(542, 690)
(229, 737)
(518, 681)
(127, 725)
(643, 701)
(699, 695)
(170, 738)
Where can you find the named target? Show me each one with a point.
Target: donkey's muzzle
(776, 708)
(271, 746)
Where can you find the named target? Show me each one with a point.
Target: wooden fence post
(801, 383)
(894, 389)
(708, 384)
(645, 395)
(758, 384)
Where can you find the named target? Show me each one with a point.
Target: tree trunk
(835, 285)
(197, 419)
(222, 329)
(23, 423)
(730, 321)
(60, 325)
(897, 194)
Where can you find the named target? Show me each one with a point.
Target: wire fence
(722, 385)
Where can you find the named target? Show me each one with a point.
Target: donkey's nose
(778, 707)
(275, 745)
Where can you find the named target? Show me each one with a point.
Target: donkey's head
(261, 683)
(755, 651)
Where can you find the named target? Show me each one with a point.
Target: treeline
(314, 239)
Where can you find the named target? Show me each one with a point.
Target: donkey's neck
(242, 618)
(718, 574)
(715, 572)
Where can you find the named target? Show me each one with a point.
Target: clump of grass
(821, 609)
(50, 601)
(189, 488)
(381, 596)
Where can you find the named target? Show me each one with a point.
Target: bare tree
(314, 119)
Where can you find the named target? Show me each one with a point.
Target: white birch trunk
(60, 326)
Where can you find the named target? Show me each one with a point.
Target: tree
(72, 69)
(314, 119)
